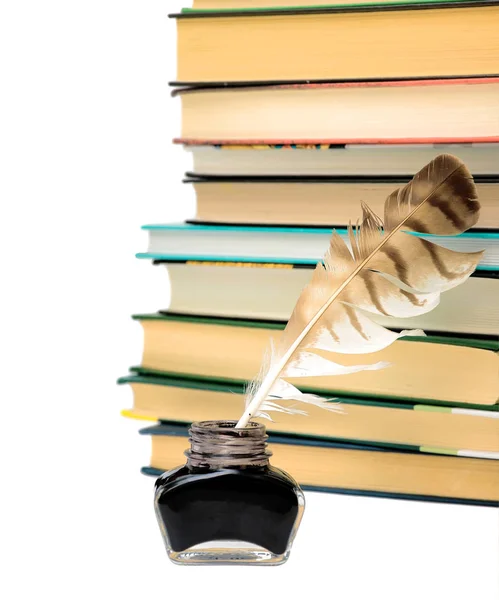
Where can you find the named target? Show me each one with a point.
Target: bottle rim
(219, 444)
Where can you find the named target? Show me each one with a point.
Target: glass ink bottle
(227, 505)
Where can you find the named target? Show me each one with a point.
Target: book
(326, 465)
(435, 110)
(445, 39)
(440, 370)
(285, 244)
(247, 5)
(417, 427)
(269, 291)
(325, 160)
(308, 201)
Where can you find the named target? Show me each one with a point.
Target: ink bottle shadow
(227, 504)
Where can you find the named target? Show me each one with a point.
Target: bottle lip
(218, 444)
(228, 427)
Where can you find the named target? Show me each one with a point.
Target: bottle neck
(218, 444)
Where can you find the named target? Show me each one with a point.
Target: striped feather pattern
(384, 269)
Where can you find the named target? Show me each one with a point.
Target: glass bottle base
(227, 552)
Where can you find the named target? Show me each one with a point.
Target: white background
(86, 124)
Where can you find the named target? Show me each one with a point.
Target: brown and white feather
(386, 270)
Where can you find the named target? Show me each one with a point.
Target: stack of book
(293, 115)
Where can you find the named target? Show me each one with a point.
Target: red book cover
(340, 141)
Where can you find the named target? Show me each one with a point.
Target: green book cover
(234, 386)
(485, 343)
(457, 344)
(374, 5)
(388, 410)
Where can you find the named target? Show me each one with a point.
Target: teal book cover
(298, 245)
(336, 450)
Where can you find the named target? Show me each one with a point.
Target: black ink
(258, 505)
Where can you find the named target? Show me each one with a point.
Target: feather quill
(386, 270)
